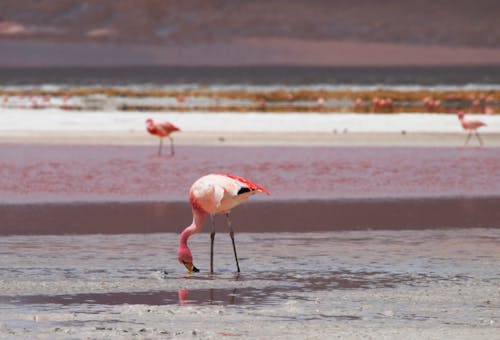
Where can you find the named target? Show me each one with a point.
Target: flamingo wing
(247, 184)
(473, 123)
(218, 195)
(478, 123)
(152, 129)
(207, 194)
(168, 127)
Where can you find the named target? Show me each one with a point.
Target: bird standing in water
(471, 125)
(209, 195)
(162, 129)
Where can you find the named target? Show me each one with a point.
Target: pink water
(65, 172)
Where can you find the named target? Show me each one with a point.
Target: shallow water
(248, 76)
(50, 173)
(344, 283)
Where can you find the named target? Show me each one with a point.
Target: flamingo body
(162, 130)
(210, 195)
(471, 125)
(219, 193)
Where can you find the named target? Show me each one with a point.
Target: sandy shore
(54, 126)
(225, 138)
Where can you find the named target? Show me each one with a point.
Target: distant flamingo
(431, 104)
(261, 103)
(181, 100)
(162, 129)
(34, 102)
(321, 103)
(471, 125)
(488, 108)
(209, 195)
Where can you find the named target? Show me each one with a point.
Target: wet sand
(430, 284)
(58, 189)
(301, 215)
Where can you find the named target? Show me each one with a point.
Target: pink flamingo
(34, 102)
(162, 129)
(181, 100)
(471, 125)
(358, 104)
(262, 103)
(321, 102)
(488, 108)
(209, 195)
(431, 104)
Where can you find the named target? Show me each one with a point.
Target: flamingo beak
(190, 266)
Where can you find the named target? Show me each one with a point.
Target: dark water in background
(252, 75)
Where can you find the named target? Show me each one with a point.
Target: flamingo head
(149, 121)
(184, 256)
(460, 115)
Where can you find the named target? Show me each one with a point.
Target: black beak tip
(196, 270)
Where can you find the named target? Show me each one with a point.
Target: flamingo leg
(172, 151)
(479, 139)
(231, 233)
(468, 138)
(212, 238)
(160, 146)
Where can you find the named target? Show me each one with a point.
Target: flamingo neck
(194, 228)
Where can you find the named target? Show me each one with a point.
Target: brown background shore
(318, 32)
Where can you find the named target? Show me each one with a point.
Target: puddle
(281, 288)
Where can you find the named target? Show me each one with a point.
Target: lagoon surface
(430, 283)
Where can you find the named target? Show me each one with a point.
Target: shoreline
(340, 138)
(55, 126)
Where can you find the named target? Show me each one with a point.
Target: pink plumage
(471, 125)
(210, 195)
(162, 129)
(250, 185)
